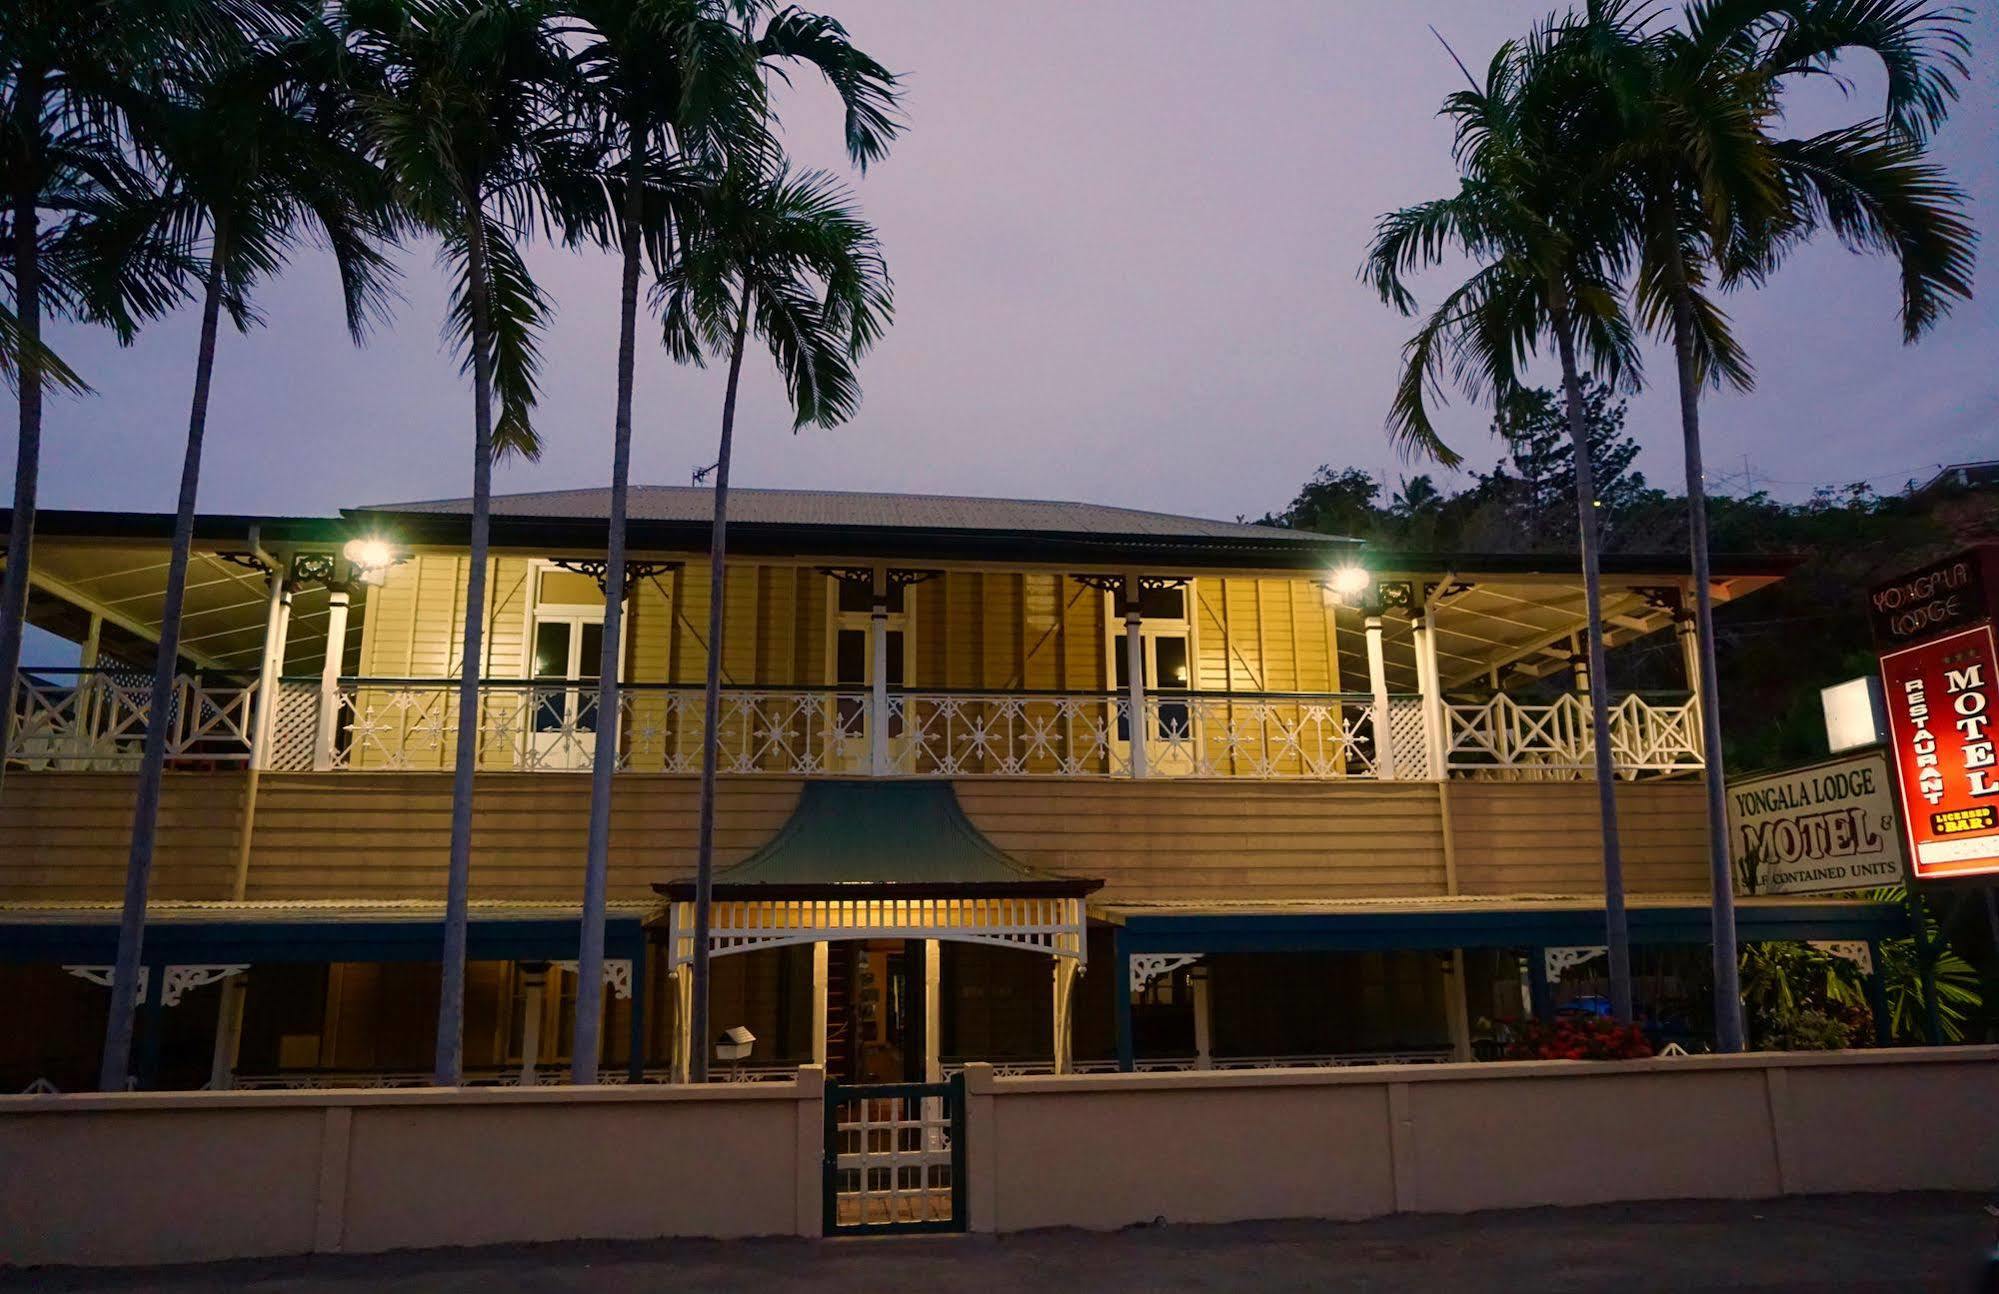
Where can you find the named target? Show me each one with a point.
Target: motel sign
(1940, 676)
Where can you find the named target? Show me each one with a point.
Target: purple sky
(1124, 237)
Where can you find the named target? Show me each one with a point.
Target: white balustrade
(96, 720)
(1502, 736)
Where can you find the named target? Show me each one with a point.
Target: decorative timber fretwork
(1103, 583)
(1848, 950)
(316, 568)
(175, 984)
(617, 974)
(1437, 595)
(1557, 960)
(597, 569)
(1397, 595)
(1147, 967)
(1660, 599)
(902, 576)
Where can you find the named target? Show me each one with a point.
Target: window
(565, 650)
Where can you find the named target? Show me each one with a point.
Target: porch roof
(898, 838)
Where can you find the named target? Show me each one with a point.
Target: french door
(562, 716)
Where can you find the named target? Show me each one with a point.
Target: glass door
(563, 700)
(1166, 649)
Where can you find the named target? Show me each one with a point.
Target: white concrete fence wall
(144, 1178)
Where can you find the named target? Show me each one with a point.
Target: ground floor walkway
(1877, 1242)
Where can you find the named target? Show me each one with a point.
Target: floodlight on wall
(1351, 585)
(371, 559)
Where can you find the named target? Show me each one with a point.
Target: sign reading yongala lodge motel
(1817, 829)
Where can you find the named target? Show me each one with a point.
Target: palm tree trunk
(160, 713)
(704, 858)
(28, 454)
(1728, 1028)
(451, 995)
(1616, 929)
(604, 760)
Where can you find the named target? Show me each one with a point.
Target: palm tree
(471, 113)
(1717, 199)
(71, 72)
(255, 155)
(789, 260)
(1548, 266)
(676, 85)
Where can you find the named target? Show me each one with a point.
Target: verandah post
(339, 595)
(1121, 1000)
(1377, 682)
(1134, 657)
(878, 668)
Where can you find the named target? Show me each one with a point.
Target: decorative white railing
(96, 720)
(1650, 734)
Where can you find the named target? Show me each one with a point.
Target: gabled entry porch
(875, 878)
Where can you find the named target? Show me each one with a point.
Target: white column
(1428, 682)
(277, 629)
(1579, 663)
(1197, 985)
(683, 1022)
(1134, 661)
(933, 1011)
(822, 953)
(878, 650)
(228, 1033)
(1377, 682)
(1457, 1008)
(337, 601)
(1685, 629)
(534, 979)
(93, 638)
(1065, 985)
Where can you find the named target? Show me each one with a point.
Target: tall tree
(1547, 271)
(255, 155)
(786, 259)
(71, 73)
(471, 109)
(1538, 494)
(676, 86)
(1717, 198)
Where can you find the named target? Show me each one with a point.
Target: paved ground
(1924, 1242)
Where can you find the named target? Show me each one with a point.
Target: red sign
(1943, 724)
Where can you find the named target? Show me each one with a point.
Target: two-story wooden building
(971, 748)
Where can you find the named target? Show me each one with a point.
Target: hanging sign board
(1817, 829)
(1943, 725)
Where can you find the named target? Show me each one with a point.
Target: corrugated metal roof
(856, 508)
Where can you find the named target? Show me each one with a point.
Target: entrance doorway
(875, 1011)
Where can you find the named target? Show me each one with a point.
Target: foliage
(1578, 1037)
(1810, 1029)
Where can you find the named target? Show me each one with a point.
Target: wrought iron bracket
(598, 569)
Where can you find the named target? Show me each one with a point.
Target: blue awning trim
(1526, 928)
(186, 943)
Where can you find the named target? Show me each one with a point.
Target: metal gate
(895, 1158)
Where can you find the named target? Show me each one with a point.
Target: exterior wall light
(371, 559)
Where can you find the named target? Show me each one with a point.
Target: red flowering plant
(1578, 1037)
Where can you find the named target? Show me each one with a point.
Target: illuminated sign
(1952, 594)
(1943, 723)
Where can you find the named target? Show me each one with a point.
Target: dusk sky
(1124, 237)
